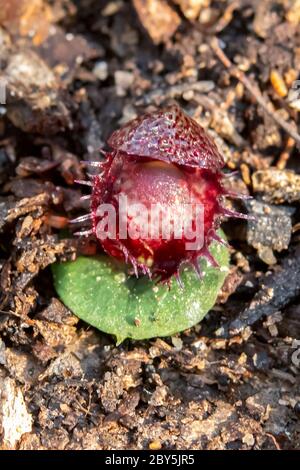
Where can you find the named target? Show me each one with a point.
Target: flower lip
(168, 135)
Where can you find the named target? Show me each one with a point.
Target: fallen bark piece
(26, 206)
(271, 230)
(276, 292)
(57, 313)
(11, 210)
(158, 18)
(37, 255)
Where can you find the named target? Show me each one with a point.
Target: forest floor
(74, 72)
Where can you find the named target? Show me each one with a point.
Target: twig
(227, 16)
(212, 27)
(254, 90)
(274, 440)
(285, 155)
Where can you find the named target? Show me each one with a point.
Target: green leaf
(100, 293)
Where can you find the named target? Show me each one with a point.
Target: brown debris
(278, 84)
(35, 100)
(293, 13)
(83, 70)
(55, 336)
(158, 18)
(38, 255)
(232, 281)
(191, 8)
(15, 420)
(264, 19)
(32, 165)
(26, 206)
(255, 92)
(271, 230)
(277, 290)
(65, 53)
(277, 186)
(24, 18)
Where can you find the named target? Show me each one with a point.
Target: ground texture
(75, 71)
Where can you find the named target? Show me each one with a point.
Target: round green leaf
(103, 295)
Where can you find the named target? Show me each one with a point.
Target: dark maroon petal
(163, 158)
(168, 135)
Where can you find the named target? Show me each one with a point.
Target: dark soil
(75, 70)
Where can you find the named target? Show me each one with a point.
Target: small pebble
(177, 342)
(123, 80)
(101, 70)
(155, 445)
(248, 439)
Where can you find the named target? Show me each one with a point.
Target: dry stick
(213, 27)
(274, 440)
(227, 16)
(255, 92)
(285, 155)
